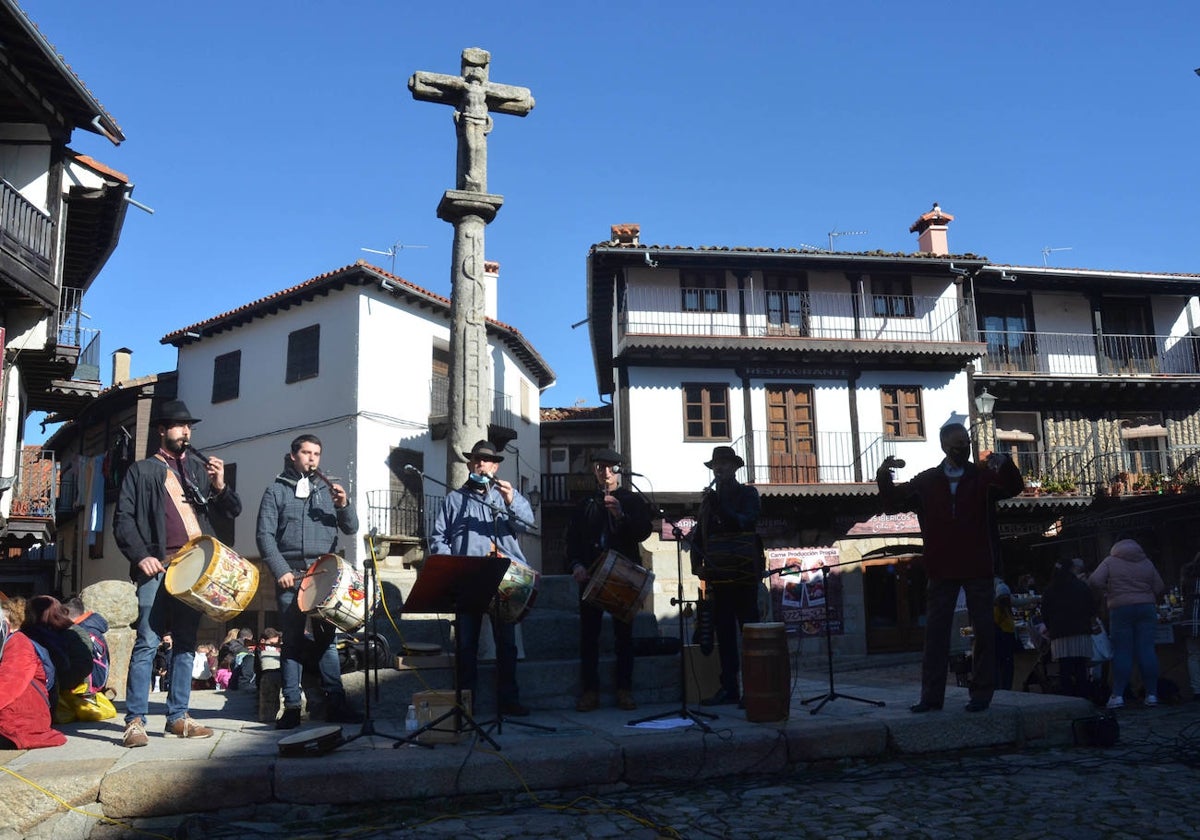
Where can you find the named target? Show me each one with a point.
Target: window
(903, 417)
(223, 525)
(703, 291)
(227, 374)
(304, 353)
(705, 411)
(891, 295)
(1144, 441)
(787, 303)
(439, 383)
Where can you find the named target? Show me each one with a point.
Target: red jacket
(24, 710)
(959, 531)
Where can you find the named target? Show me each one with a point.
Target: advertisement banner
(800, 592)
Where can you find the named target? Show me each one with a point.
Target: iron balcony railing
(824, 458)
(1077, 470)
(658, 310)
(1084, 354)
(35, 492)
(25, 230)
(397, 514)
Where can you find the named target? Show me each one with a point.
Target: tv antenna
(834, 234)
(392, 251)
(1047, 251)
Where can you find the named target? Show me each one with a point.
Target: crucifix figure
(472, 96)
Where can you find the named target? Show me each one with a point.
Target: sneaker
(589, 701)
(290, 719)
(186, 727)
(1151, 700)
(625, 701)
(1115, 702)
(135, 733)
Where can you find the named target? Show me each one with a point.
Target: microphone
(409, 468)
(631, 472)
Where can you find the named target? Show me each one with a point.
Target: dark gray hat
(607, 456)
(484, 451)
(724, 454)
(173, 411)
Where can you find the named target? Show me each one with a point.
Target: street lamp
(535, 499)
(985, 403)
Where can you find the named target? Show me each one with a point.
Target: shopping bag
(82, 704)
(1102, 650)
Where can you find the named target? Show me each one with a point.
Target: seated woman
(24, 694)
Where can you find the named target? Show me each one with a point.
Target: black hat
(724, 453)
(607, 456)
(484, 451)
(173, 411)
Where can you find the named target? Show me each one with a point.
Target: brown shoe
(185, 727)
(135, 733)
(588, 701)
(625, 700)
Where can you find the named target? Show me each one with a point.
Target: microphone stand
(370, 583)
(832, 694)
(680, 601)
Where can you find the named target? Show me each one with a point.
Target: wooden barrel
(766, 672)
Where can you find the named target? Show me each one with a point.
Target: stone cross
(472, 96)
(469, 208)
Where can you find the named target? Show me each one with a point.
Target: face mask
(481, 480)
(959, 455)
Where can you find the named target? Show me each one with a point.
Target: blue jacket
(469, 523)
(292, 532)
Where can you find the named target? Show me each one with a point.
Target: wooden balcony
(26, 245)
(1013, 353)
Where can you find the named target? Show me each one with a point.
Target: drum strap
(175, 493)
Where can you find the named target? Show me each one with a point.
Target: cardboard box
(431, 705)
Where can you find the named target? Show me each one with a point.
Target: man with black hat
(166, 500)
(486, 516)
(727, 554)
(617, 519)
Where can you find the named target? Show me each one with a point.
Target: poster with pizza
(800, 592)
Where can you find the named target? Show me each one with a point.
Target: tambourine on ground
(211, 577)
(618, 585)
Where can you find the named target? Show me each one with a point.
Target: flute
(187, 444)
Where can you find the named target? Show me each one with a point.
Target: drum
(332, 589)
(733, 558)
(212, 577)
(311, 742)
(619, 586)
(518, 590)
(766, 672)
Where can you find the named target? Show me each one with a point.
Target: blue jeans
(295, 650)
(1132, 630)
(467, 656)
(158, 613)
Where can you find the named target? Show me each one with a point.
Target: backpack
(243, 672)
(99, 677)
(48, 668)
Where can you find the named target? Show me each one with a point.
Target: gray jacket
(293, 532)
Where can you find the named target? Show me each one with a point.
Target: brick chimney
(626, 234)
(930, 229)
(120, 365)
(491, 283)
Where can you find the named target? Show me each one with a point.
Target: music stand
(831, 694)
(683, 711)
(451, 583)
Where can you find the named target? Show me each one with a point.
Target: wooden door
(894, 595)
(791, 435)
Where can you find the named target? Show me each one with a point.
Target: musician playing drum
(299, 518)
(164, 501)
(614, 518)
(728, 555)
(483, 517)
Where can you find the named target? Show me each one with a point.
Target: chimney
(120, 365)
(626, 234)
(930, 229)
(491, 283)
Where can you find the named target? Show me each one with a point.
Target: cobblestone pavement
(1146, 786)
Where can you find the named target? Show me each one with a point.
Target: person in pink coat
(1131, 587)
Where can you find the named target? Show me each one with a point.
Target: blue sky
(277, 139)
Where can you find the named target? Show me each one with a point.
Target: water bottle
(410, 722)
